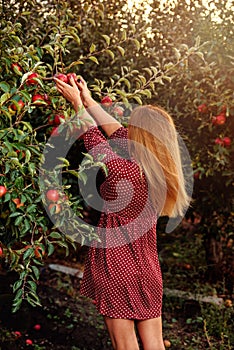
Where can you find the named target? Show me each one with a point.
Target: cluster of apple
(66, 78)
(38, 250)
(219, 119)
(40, 100)
(3, 191)
(107, 102)
(28, 341)
(224, 141)
(32, 79)
(53, 196)
(216, 120)
(55, 120)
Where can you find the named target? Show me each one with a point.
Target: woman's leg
(122, 333)
(150, 332)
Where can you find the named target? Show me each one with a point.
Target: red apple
(118, 111)
(18, 334)
(16, 67)
(71, 75)
(227, 141)
(1, 251)
(51, 119)
(57, 119)
(47, 99)
(219, 119)
(17, 202)
(3, 191)
(106, 101)
(62, 77)
(31, 79)
(56, 207)
(38, 100)
(197, 175)
(39, 252)
(55, 132)
(28, 341)
(20, 153)
(202, 108)
(52, 195)
(20, 105)
(218, 141)
(37, 327)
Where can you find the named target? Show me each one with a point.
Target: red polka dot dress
(122, 272)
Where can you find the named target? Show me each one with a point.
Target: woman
(122, 273)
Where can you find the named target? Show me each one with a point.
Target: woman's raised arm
(104, 119)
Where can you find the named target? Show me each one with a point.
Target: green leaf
(92, 48)
(32, 168)
(27, 225)
(111, 54)
(89, 156)
(17, 285)
(137, 44)
(148, 70)
(16, 39)
(31, 208)
(6, 96)
(124, 35)
(200, 55)
(83, 177)
(18, 220)
(137, 99)
(28, 253)
(49, 49)
(27, 156)
(73, 172)
(107, 39)
(12, 215)
(55, 235)
(19, 294)
(64, 160)
(50, 248)
(91, 21)
(4, 86)
(76, 37)
(32, 285)
(36, 272)
(16, 305)
(27, 125)
(94, 59)
(121, 50)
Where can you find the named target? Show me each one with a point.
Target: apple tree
(38, 40)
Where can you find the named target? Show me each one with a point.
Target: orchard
(178, 57)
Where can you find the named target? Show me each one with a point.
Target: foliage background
(179, 57)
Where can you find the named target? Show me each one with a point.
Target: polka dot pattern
(124, 277)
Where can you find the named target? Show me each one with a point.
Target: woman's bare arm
(104, 119)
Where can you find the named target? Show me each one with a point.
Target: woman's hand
(70, 92)
(86, 97)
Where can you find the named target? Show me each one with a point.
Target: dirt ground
(68, 321)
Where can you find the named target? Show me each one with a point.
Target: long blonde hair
(154, 144)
